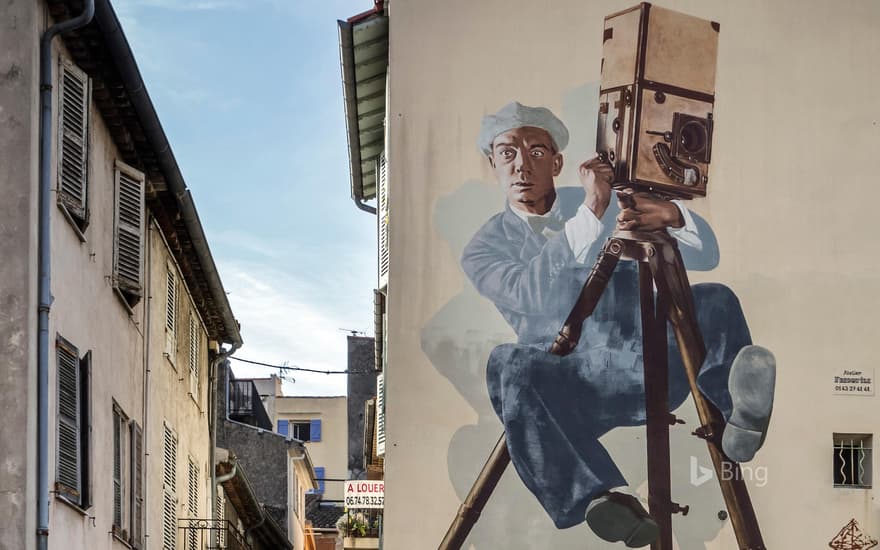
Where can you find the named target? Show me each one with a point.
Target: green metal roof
(363, 45)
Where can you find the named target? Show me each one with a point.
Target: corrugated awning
(363, 48)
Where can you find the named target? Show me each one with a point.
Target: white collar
(525, 216)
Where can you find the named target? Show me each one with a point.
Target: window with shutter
(380, 414)
(319, 477)
(171, 314)
(137, 486)
(382, 200)
(128, 237)
(169, 522)
(169, 490)
(220, 516)
(73, 143)
(193, 356)
(69, 464)
(193, 502)
(119, 423)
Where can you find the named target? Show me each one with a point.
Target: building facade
(137, 318)
(795, 250)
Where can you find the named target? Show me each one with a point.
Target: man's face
(525, 163)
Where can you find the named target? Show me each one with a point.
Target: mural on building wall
(530, 262)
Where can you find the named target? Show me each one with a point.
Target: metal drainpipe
(44, 290)
(212, 420)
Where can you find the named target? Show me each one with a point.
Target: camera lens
(694, 137)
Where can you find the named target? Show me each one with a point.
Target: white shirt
(584, 228)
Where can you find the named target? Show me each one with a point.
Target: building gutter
(349, 93)
(44, 283)
(121, 54)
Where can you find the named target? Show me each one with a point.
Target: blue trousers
(554, 408)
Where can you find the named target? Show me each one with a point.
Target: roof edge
(123, 57)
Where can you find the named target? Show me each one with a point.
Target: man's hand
(596, 176)
(645, 212)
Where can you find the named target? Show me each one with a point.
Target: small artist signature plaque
(854, 382)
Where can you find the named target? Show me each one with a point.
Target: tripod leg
(565, 342)
(570, 333)
(672, 283)
(469, 511)
(656, 367)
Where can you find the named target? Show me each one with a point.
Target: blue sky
(249, 93)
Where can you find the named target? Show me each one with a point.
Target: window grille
(852, 460)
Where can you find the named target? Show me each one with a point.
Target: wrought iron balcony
(211, 534)
(246, 406)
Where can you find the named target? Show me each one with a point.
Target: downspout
(212, 424)
(44, 290)
(148, 336)
(226, 477)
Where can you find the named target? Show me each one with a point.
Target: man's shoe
(617, 517)
(751, 384)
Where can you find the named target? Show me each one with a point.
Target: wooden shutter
(169, 490)
(382, 199)
(193, 502)
(380, 414)
(68, 474)
(128, 239)
(193, 348)
(169, 522)
(171, 302)
(85, 429)
(118, 423)
(319, 476)
(137, 486)
(315, 430)
(220, 516)
(283, 427)
(73, 147)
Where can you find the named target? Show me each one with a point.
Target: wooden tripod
(660, 265)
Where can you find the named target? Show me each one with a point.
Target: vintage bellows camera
(656, 99)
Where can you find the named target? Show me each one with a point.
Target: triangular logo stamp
(851, 537)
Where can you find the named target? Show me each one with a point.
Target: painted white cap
(516, 115)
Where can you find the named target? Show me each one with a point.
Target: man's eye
(507, 153)
(537, 153)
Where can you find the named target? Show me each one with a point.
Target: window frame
(130, 291)
(75, 209)
(80, 496)
(846, 443)
(120, 451)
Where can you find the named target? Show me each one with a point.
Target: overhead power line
(300, 369)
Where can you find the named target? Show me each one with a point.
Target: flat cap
(516, 115)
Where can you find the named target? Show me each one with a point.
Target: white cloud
(282, 320)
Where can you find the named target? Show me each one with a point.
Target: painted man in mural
(531, 261)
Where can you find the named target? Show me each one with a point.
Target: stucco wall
(791, 204)
(170, 400)
(332, 451)
(19, 130)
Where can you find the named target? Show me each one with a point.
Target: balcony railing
(211, 534)
(245, 404)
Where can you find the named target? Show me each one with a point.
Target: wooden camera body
(656, 98)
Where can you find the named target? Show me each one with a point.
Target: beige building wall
(126, 345)
(331, 452)
(299, 481)
(171, 401)
(791, 203)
